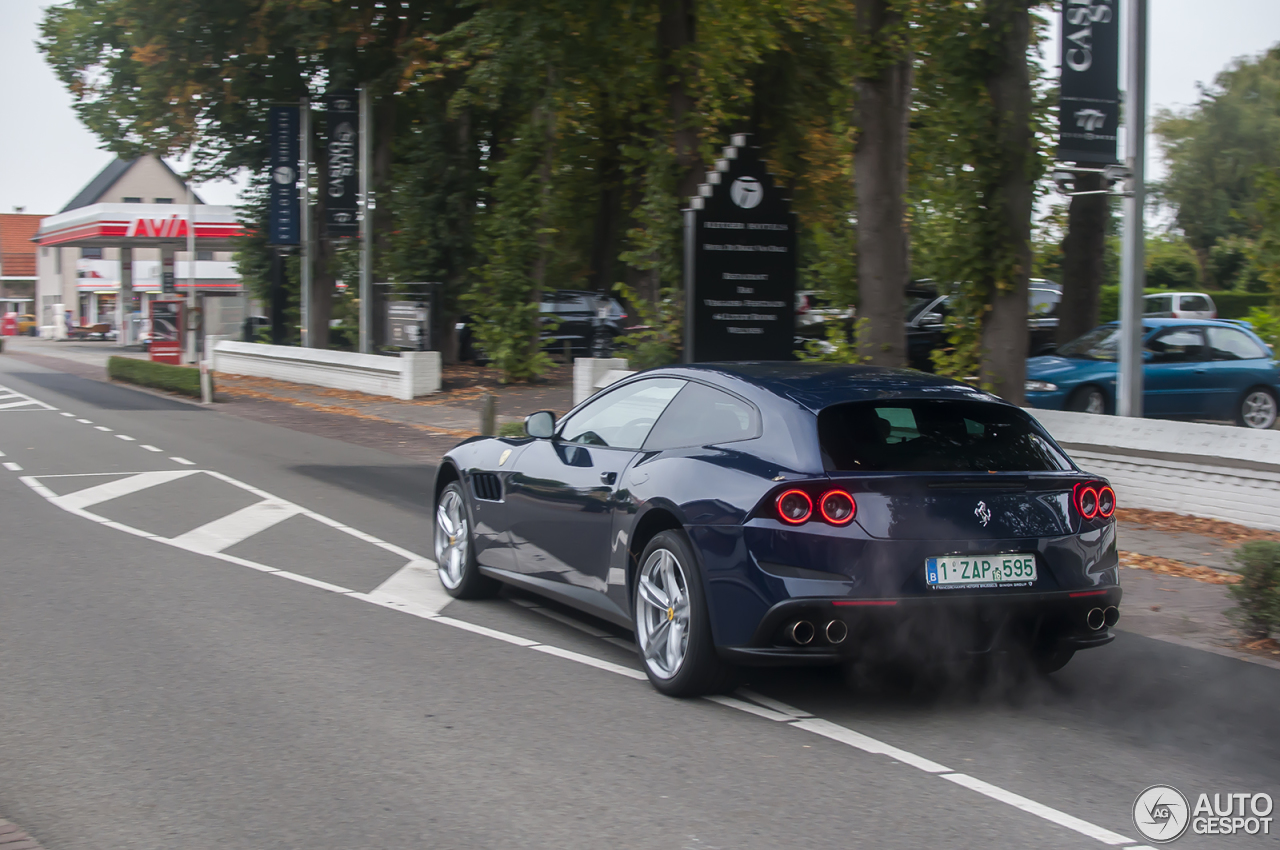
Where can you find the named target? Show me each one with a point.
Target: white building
(122, 233)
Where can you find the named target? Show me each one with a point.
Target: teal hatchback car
(1192, 369)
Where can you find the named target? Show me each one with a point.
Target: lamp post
(1132, 267)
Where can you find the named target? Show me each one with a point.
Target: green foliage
(512, 429)
(184, 380)
(1264, 254)
(839, 344)
(1258, 592)
(1230, 265)
(1171, 264)
(1218, 148)
(1266, 324)
(657, 339)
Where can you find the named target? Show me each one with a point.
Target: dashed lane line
(126, 437)
(12, 467)
(148, 448)
(415, 590)
(183, 461)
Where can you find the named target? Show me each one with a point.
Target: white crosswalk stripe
(12, 400)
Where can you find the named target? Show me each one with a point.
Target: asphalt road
(222, 634)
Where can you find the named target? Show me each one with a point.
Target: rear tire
(455, 549)
(672, 623)
(1088, 399)
(1257, 409)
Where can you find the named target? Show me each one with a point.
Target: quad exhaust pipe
(803, 632)
(1099, 617)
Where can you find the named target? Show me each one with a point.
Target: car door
(1235, 363)
(563, 492)
(1174, 374)
(1042, 320)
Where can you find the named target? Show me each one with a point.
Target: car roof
(1162, 294)
(819, 385)
(1153, 322)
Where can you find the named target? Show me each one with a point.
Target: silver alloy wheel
(1259, 409)
(662, 614)
(1095, 403)
(452, 538)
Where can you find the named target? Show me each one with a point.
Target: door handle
(608, 477)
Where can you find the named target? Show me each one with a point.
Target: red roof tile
(17, 251)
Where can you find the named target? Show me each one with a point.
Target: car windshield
(928, 435)
(1098, 344)
(915, 306)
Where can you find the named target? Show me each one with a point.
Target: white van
(1179, 305)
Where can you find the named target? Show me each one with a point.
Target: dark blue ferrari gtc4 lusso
(787, 513)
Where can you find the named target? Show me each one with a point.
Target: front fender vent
(486, 486)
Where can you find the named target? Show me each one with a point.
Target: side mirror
(931, 319)
(540, 425)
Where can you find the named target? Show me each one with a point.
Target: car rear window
(933, 436)
(1195, 304)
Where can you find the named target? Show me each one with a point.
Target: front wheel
(455, 554)
(673, 627)
(1257, 409)
(1088, 400)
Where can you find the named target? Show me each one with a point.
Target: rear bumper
(964, 625)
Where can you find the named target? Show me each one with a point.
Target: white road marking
(227, 531)
(409, 591)
(570, 622)
(64, 413)
(85, 421)
(11, 399)
(148, 448)
(101, 428)
(2, 454)
(79, 500)
(12, 467)
(125, 437)
(183, 461)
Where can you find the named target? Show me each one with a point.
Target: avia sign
(166, 228)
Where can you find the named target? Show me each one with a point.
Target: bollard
(488, 415)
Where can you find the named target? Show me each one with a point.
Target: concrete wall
(405, 377)
(592, 373)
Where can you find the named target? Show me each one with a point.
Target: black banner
(342, 149)
(1089, 108)
(283, 228)
(741, 239)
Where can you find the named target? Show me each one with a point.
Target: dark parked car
(1191, 370)
(578, 321)
(927, 315)
(790, 513)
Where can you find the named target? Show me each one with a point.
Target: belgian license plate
(993, 570)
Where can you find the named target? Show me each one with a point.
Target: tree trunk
(1009, 200)
(880, 169)
(676, 32)
(546, 117)
(1082, 259)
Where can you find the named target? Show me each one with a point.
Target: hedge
(1259, 589)
(1231, 305)
(184, 380)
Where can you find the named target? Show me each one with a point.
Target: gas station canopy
(141, 226)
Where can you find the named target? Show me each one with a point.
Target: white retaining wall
(412, 374)
(592, 373)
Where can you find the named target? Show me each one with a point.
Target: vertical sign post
(304, 221)
(366, 223)
(283, 224)
(192, 314)
(740, 263)
(1132, 269)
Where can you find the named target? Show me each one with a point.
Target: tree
(883, 109)
(1217, 148)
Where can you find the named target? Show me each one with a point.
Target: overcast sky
(46, 155)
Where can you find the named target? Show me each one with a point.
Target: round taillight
(795, 506)
(837, 507)
(1106, 502)
(1088, 502)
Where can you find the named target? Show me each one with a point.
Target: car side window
(1044, 302)
(1158, 305)
(703, 416)
(1231, 344)
(1177, 345)
(1194, 304)
(624, 417)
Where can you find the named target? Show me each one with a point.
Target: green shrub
(184, 380)
(1266, 324)
(1171, 264)
(511, 429)
(1258, 592)
(1231, 305)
